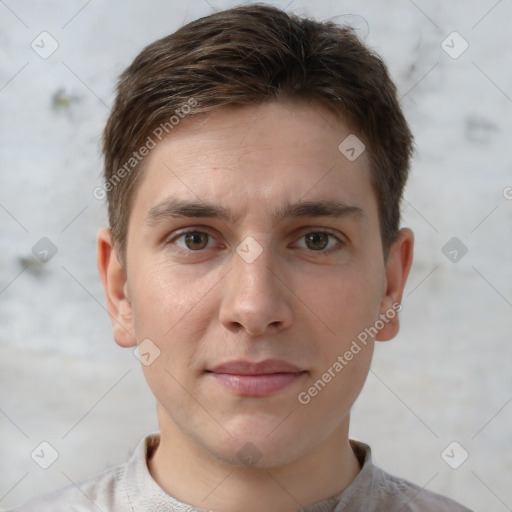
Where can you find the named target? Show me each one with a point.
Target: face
(254, 262)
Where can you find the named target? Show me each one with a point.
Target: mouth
(256, 379)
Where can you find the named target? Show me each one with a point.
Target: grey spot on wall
(62, 101)
(479, 130)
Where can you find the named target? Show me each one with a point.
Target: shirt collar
(145, 494)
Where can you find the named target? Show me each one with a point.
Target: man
(254, 167)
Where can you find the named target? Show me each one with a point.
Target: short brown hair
(245, 56)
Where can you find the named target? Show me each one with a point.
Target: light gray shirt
(130, 488)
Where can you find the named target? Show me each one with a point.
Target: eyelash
(336, 248)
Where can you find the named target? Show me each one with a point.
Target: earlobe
(113, 277)
(397, 270)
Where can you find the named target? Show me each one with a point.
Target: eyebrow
(175, 208)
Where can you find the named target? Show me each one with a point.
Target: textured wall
(445, 378)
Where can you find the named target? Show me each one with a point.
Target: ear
(397, 269)
(113, 277)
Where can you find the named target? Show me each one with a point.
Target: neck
(193, 475)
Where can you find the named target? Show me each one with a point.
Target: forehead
(253, 159)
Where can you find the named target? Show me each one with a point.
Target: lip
(268, 366)
(256, 378)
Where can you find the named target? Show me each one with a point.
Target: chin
(263, 448)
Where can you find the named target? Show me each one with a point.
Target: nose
(256, 298)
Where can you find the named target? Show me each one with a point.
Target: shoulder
(100, 492)
(374, 490)
(114, 490)
(411, 497)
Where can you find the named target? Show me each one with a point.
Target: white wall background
(446, 376)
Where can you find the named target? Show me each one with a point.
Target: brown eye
(193, 240)
(323, 242)
(317, 241)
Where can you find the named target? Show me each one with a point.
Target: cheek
(347, 301)
(162, 297)
(174, 310)
(331, 392)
